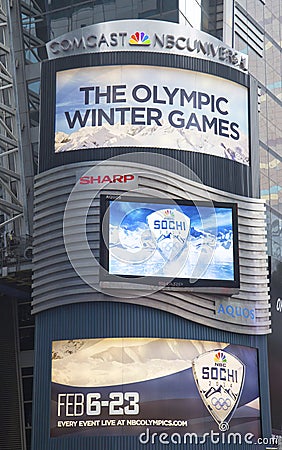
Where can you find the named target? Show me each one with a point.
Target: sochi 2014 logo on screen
(170, 228)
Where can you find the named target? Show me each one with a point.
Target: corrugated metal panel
(11, 426)
(56, 282)
(109, 319)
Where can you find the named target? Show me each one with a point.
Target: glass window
(24, 315)
(26, 338)
(264, 162)
(28, 438)
(26, 371)
(27, 388)
(28, 414)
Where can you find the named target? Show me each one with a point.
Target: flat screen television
(169, 243)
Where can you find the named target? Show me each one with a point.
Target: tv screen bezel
(128, 281)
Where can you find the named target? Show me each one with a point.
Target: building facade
(250, 28)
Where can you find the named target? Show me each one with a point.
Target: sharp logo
(102, 179)
(219, 377)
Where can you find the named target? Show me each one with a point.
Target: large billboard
(274, 346)
(135, 386)
(147, 106)
(176, 243)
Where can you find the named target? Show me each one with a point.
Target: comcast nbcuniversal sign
(137, 35)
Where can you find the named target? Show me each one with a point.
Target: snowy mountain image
(107, 362)
(164, 136)
(90, 137)
(205, 255)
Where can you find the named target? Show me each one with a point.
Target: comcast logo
(139, 38)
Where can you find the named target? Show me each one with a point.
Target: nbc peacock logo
(169, 214)
(139, 38)
(220, 359)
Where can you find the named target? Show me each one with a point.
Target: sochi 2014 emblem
(219, 377)
(170, 229)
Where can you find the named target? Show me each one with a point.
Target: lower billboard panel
(274, 347)
(135, 386)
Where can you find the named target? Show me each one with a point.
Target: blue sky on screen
(201, 218)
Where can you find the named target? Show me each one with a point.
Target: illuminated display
(132, 106)
(178, 243)
(123, 386)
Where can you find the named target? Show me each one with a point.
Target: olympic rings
(221, 403)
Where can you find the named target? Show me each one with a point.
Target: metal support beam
(16, 162)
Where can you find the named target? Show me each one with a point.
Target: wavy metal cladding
(55, 282)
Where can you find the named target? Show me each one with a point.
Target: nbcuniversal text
(158, 42)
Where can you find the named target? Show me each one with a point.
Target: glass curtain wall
(267, 70)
